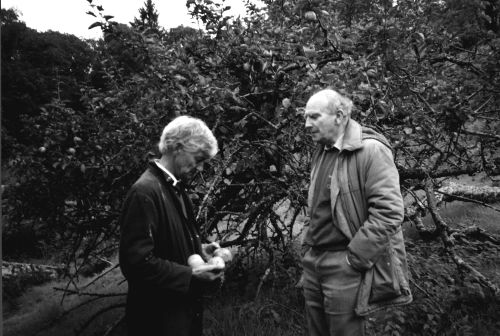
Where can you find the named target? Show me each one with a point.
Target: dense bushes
(417, 78)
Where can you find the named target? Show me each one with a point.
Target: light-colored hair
(334, 101)
(188, 134)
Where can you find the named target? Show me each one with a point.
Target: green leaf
(108, 17)
(90, 13)
(95, 24)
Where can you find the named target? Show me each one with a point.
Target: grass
(42, 312)
(275, 312)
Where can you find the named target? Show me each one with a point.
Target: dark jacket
(368, 208)
(156, 241)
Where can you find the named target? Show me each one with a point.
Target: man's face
(325, 128)
(187, 163)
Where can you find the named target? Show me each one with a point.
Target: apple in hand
(218, 262)
(195, 260)
(223, 253)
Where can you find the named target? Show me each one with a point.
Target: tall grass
(275, 312)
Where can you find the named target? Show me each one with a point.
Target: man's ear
(339, 116)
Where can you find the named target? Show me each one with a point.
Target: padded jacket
(368, 208)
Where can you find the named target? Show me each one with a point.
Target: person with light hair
(159, 233)
(354, 259)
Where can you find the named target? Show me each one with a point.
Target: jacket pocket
(385, 285)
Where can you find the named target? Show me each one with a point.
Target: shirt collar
(337, 144)
(167, 172)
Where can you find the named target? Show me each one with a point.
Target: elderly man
(355, 259)
(159, 233)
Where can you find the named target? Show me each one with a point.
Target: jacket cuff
(354, 262)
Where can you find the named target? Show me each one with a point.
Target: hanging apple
(310, 15)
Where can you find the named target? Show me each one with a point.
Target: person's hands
(208, 272)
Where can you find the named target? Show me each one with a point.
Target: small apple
(372, 73)
(310, 15)
(77, 139)
(223, 253)
(286, 103)
(42, 149)
(71, 150)
(246, 66)
(218, 262)
(195, 260)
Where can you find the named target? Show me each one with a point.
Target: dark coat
(156, 240)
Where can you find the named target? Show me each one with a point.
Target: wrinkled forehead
(316, 104)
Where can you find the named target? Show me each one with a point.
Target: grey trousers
(330, 289)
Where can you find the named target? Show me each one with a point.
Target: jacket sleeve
(384, 204)
(137, 260)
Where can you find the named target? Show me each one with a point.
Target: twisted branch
(448, 242)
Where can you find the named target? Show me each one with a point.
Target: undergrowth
(446, 301)
(259, 298)
(276, 311)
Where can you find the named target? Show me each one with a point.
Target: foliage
(14, 287)
(37, 67)
(263, 292)
(424, 73)
(446, 301)
(278, 314)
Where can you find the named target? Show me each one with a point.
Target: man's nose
(308, 124)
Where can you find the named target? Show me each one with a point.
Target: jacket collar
(176, 184)
(166, 171)
(353, 135)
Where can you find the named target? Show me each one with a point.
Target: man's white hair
(188, 134)
(333, 101)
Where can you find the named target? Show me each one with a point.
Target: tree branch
(481, 195)
(419, 173)
(448, 242)
(481, 134)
